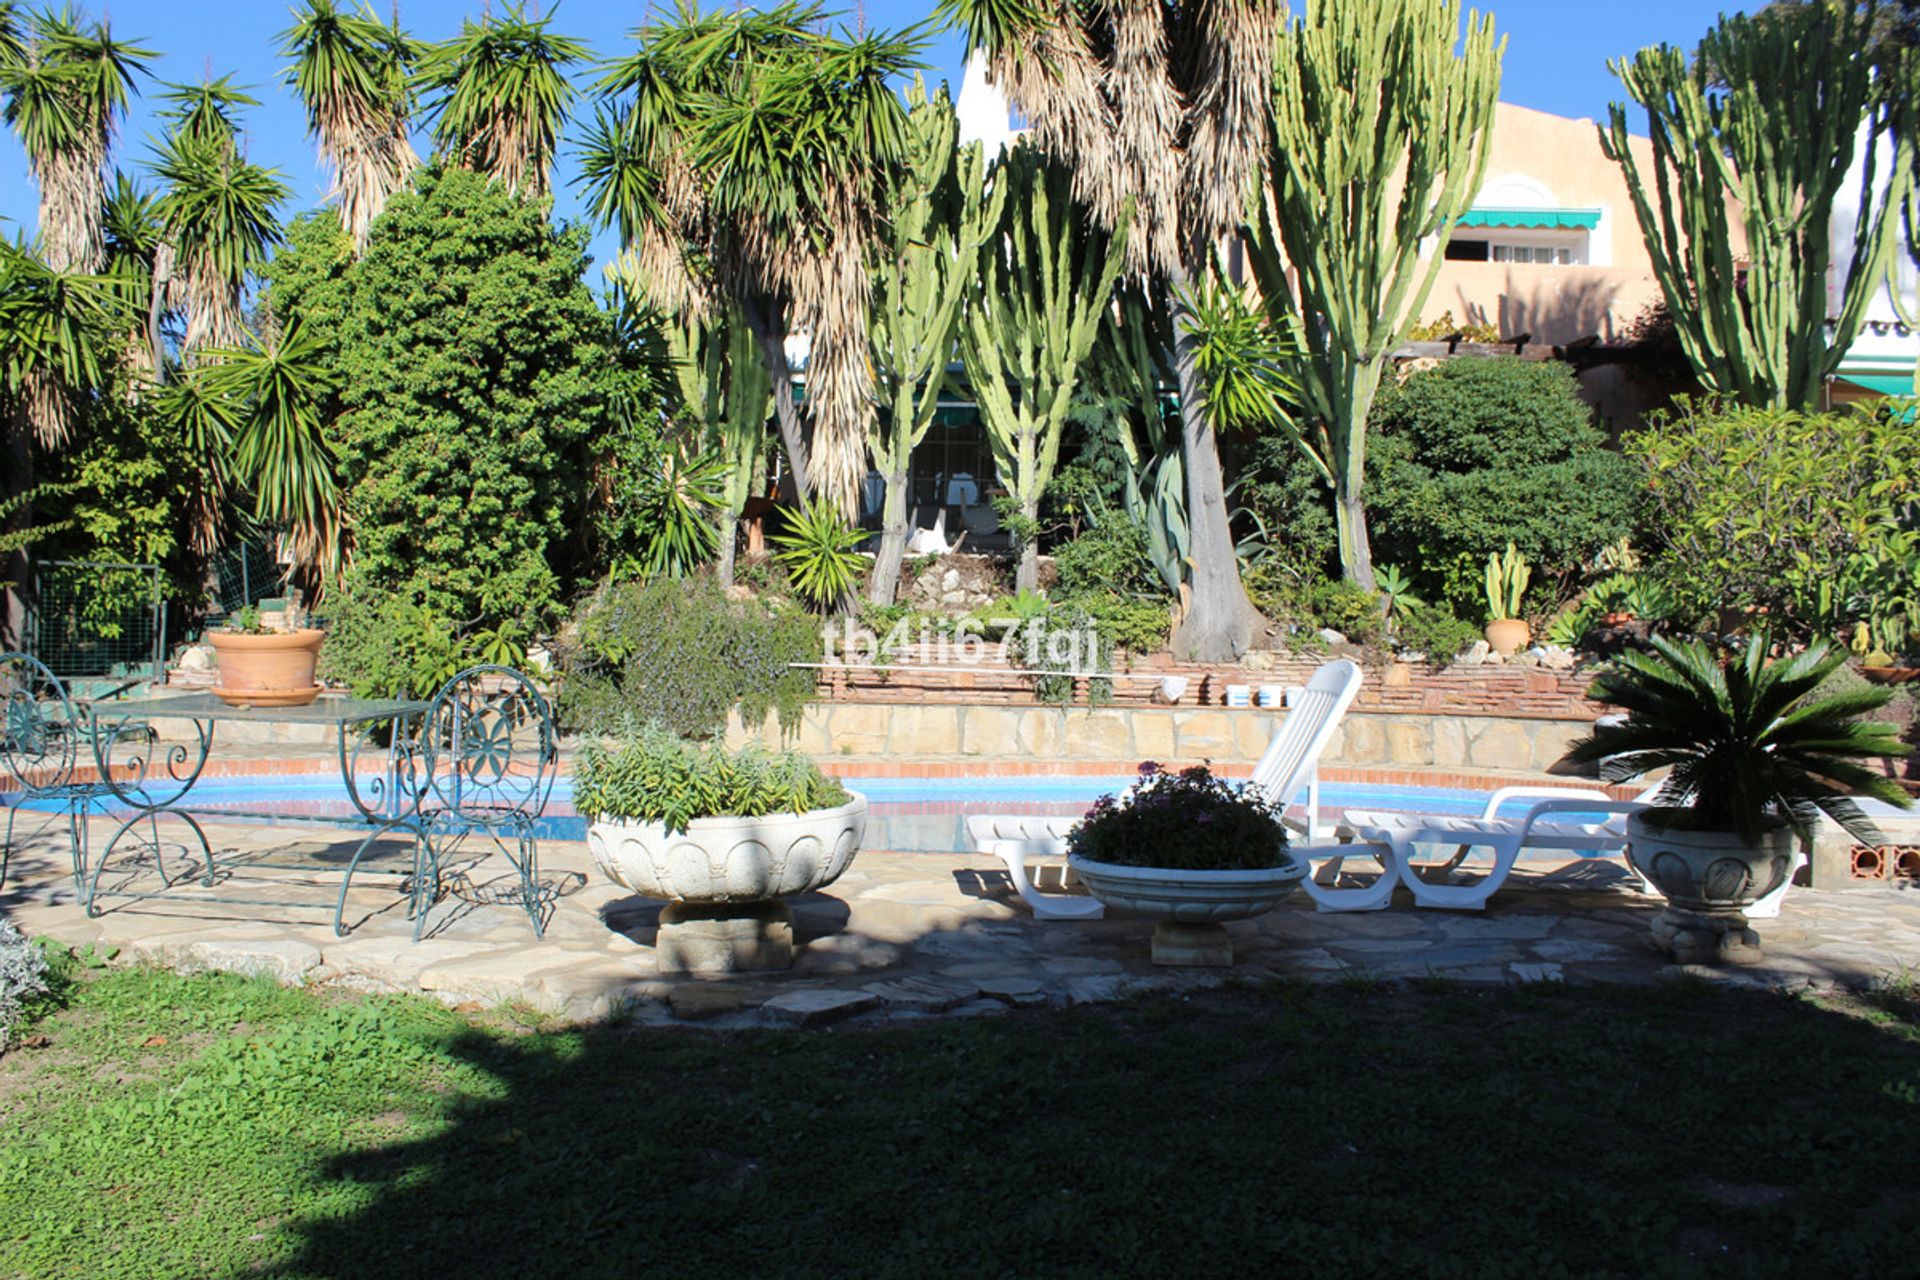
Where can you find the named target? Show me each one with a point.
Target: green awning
(1886, 384)
(1550, 219)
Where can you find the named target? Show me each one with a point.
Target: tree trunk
(771, 336)
(729, 544)
(893, 543)
(1356, 548)
(1221, 621)
(1350, 479)
(1027, 577)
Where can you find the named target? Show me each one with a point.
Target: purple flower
(1149, 768)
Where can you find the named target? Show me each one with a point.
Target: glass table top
(326, 709)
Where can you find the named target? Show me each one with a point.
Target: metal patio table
(153, 780)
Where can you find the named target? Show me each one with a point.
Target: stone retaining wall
(931, 730)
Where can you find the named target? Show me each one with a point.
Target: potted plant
(260, 666)
(1507, 577)
(1757, 755)
(722, 835)
(1191, 850)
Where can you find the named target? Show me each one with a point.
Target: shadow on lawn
(1320, 1131)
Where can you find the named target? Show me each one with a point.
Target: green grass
(215, 1127)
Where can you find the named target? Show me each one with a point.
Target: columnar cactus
(1760, 128)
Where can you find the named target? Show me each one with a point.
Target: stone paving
(905, 935)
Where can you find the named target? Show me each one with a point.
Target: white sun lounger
(1290, 764)
(1561, 820)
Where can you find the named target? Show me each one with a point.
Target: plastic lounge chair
(1290, 764)
(1572, 820)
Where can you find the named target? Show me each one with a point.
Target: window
(1535, 254)
(1466, 251)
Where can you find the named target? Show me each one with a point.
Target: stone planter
(272, 670)
(1507, 636)
(1190, 905)
(1708, 878)
(724, 879)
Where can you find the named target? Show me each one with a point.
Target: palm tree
(352, 72)
(66, 86)
(746, 155)
(1161, 111)
(499, 96)
(218, 214)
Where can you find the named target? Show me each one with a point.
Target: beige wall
(1556, 304)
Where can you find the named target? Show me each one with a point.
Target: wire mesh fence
(245, 575)
(91, 618)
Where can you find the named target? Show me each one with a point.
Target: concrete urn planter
(1708, 879)
(1190, 905)
(724, 879)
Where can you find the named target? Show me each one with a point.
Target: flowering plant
(1188, 821)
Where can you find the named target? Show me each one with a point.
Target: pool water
(925, 815)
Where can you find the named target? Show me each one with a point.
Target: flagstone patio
(912, 935)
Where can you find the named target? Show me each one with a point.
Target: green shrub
(382, 645)
(474, 366)
(681, 654)
(1433, 629)
(1811, 517)
(652, 776)
(1066, 639)
(1111, 556)
(1473, 454)
(1138, 626)
(1189, 820)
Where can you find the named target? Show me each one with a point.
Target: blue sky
(1556, 61)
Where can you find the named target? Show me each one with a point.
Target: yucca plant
(677, 500)
(498, 96)
(817, 551)
(1751, 743)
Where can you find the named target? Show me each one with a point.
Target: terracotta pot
(273, 670)
(1508, 636)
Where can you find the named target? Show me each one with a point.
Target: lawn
(210, 1126)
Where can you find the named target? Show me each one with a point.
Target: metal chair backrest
(1292, 759)
(40, 740)
(489, 746)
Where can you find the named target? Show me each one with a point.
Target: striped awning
(1546, 219)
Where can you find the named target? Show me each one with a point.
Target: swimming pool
(924, 815)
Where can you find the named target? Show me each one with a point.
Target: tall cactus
(726, 395)
(923, 272)
(1382, 119)
(1764, 120)
(1046, 280)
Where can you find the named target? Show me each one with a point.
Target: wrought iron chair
(44, 750)
(489, 753)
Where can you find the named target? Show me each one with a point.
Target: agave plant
(817, 551)
(1751, 743)
(1396, 592)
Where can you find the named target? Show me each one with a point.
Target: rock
(1018, 992)
(1526, 660)
(1538, 973)
(1259, 660)
(924, 995)
(956, 598)
(1554, 658)
(285, 960)
(1477, 655)
(198, 659)
(950, 580)
(811, 1008)
(708, 1001)
(1329, 636)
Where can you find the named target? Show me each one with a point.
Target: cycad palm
(352, 72)
(1161, 112)
(218, 212)
(499, 96)
(1749, 743)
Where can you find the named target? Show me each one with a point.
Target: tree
(471, 367)
(498, 96)
(1161, 111)
(1761, 127)
(352, 72)
(1382, 119)
(218, 214)
(1047, 280)
(744, 156)
(924, 272)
